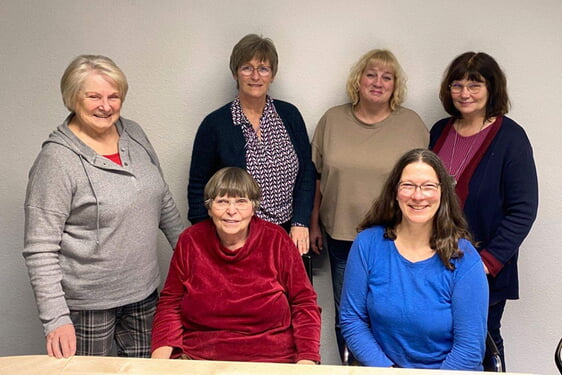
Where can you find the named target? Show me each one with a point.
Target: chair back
(558, 356)
(492, 359)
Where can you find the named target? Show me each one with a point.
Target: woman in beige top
(354, 148)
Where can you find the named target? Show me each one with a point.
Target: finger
(49, 349)
(68, 349)
(55, 345)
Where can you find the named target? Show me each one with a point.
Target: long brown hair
(449, 225)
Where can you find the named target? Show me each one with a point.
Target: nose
(418, 195)
(231, 209)
(255, 74)
(464, 91)
(104, 105)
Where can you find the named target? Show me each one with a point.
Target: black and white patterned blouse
(271, 161)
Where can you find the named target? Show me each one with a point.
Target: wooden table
(44, 365)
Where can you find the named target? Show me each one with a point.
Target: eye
(430, 186)
(264, 70)
(388, 78)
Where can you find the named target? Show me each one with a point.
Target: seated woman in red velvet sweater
(234, 292)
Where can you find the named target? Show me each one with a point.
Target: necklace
(456, 173)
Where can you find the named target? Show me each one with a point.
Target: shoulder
(406, 113)
(219, 115)
(284, 107)
(375, 233)
(439, 125)
(470, 255)
(267, 229)
(338, 110)
(335, 115)
(512, 129)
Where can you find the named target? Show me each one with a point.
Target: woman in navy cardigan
(491, 158)
(266, 137)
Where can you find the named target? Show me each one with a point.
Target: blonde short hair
(75, 74)
(378, 57)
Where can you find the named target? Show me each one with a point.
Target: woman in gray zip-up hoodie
(95, 200)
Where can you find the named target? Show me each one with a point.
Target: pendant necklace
(456, 173)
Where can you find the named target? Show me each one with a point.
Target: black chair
(307, 260)
(492, 359)
(558, 356)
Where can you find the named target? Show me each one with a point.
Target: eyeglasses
(241, 204)
(248, 70)
(428, 189)
(473, 88)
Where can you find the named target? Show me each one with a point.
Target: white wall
(175, 54)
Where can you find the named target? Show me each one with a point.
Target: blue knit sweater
(413, 314)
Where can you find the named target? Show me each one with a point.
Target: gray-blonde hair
(72, 80)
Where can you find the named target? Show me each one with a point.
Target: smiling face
(231, 216)
(376, 84)
(420, 205)
(98, 106)
(467, 103)
(255, 85)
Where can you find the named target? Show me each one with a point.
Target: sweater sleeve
(167, 328)
(305, 313)
(520, 191)
(47, 207)
(470, 310)
(354, 315)
(305, 184)
(204, 163)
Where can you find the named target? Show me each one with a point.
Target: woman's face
(376, 84)
(419, 193)
(231, 216)
(469, 97)
(99, 104)
(254, 78)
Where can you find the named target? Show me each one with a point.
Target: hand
(299, 235)
(61, 342)
(306, 362)
(486, 269)
(316, 241)
(163, 352)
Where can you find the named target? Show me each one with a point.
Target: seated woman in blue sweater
(415, 292)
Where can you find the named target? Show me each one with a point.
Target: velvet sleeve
(204, 163)
(470, 310)
(167, 328)
(354, 315)
(305, 313)
(520, 191)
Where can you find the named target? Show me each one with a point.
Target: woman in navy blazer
(491, 158)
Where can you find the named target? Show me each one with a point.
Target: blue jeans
(495, 313)
(338, 252)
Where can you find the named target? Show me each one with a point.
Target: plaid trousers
(130, 326)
